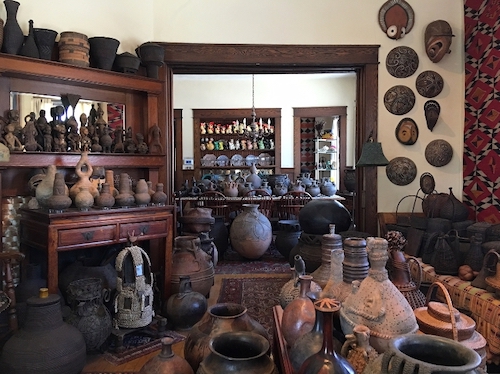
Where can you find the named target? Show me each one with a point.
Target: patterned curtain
(481, 159)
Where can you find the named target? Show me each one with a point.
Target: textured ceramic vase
(299, 315)
(84, 171)
(254, 177)
(219, 318)
(59, 200)
(251, 233)
(376, 302)
(13, 36)
(329, 243)
(159, 197)
(105, 199)
(124, 196)
(166, 362)
(185, 308)
(29, 47)
(45, 40)
(45, 344)
(240, 352)
(142, 196)
(357, 348)
(84, 199)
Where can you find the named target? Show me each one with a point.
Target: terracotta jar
(329, 243)
(309, 248)
(254, 178)
(355, 265)
(220, 318)
(45, 188)
(84, 171)
(189, 260)
(58, 200)
(105, 199)
(109, 178)
(357, 348)
(166, 362)
(251, 233)
(376, 303)
(186, 308)
(142, 196)
(238, 352)
(299, 315)
(124, 196)
(84, 199)
(196, 220)
(159, 197)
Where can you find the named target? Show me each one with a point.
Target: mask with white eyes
(396, 18)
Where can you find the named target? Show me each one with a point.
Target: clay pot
(159, 197)
(350, 179)
(45, 344)
(309, 248)
(166, 362)
(124, 197)
(196, 220)
(84, 171)
(317, 215)
(254, 178)
(45, 188)
(84, 199)
(328, 188)
(329, 243)
(109, 178)
(220, 318)
(126, 63)
(103, 52)
(299, 315)
(357, 348)
(313, 189)
(59, 200)
(287, 236)
(105, 199)
(189, 260)
(142, 196)
(251, 232)
(240, 352)
(186, 308)
(230, 188)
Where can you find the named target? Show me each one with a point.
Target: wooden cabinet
(218, 152)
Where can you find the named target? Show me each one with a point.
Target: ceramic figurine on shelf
(210, 145)
(210, 128)
(229, 128)
(203, 128)
(155, 146)
(142, 147)
(243, 145)
(30, 133)
(217, 128)
(231, 145)
(237, 145)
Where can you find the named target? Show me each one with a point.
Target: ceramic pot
(125, 196)
(102, 52)
(357, 348)
(83, 170)
(317, 215)
(223, 317)
(109, 178)
(280, 189)
(166, 362)
(126, 63)
(254, 177)
(45, 188)
(251, 232)
(105, 199)
(142, 196)
(13, 36)
(328, 188)
(196, 220)
(230, 189)
(238, 352)
(326, 360)
(45, 40)
(88, 313)
(299, 315)
(159, 197)
(287, 236)
(313, 189)
(151, 55)
(84, 199)
(189, 260)
(45, 344)
(59, 200)
(376, 303)
(330, 242)
(350, 179)
(29, 47)
(424, 354)
(186, 308)
(309, 248)
(274, 179)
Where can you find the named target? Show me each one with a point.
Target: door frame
(197, 58)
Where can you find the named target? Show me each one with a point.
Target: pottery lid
(435, 319)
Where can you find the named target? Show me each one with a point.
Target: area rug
(258, 294)
(271, 262)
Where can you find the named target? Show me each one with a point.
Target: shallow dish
(222, 160)
(237, 160)
(208, 160)
(251, 159)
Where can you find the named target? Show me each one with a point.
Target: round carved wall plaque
(401, 62)
(429, 84)
(407, 131)
(401, 171)
(438, 152)
(399, 99)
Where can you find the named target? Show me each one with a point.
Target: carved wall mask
(431, 111)
(438, 36)
(396, 18)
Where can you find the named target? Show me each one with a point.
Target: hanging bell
(372, 154)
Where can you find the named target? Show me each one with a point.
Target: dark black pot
(13, 36)
(103, 52)
(45, 40)
(316, 216)
(126, 63)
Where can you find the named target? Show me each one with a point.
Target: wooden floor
(97, 363)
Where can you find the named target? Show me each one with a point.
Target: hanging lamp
(372, 154)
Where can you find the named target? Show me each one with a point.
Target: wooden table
(73, 229)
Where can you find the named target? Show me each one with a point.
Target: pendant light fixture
(372, 154)
(255, 130)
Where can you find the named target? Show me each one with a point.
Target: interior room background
(320, 22)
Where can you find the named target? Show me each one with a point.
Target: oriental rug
(258, 294)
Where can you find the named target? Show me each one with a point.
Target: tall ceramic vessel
(125, 196)
(84, 171)
(329, 243)
(251, 232)
(13, 36)
(220, 318)
(376, 302)
(45, 344)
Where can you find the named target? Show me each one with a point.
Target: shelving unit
(222, 158)
(326, 159)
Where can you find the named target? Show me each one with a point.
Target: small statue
(130, 146)
(85, 139)
(142, 147)
(73, 137)
(60, 144)
(106, 141)
(10, 140)
(92, 115)
(30, 133)
(155, 146)
(118, 146)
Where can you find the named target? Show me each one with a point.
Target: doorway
(194, 58)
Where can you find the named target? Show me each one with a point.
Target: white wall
(271, 91)
(291, 22)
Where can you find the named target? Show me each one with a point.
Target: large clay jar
(326, 361)
(423, 354)
(238, 352)
(328, 188)
(84, 199)
(13, 36)
(166, 362)
(45, 344)
(299, 315)
(329, 243)
(142, 196)
(287, 236)
(186, 308)
(251, 233)
(88, 313)
(45, 188)
(376, 303)
(230, 188)
(189, 260)
(124, 196)
(59, 200)
(219, 318)
(84, 171)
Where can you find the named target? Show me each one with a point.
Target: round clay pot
(166, 362)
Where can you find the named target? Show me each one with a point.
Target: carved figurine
(118, 146)
(10, 140)
(73, 137)
(155, 146)
(92, 115)
(85, 139)
(60, 144)
(13, 118)
(130, 146)
(30, 133)
(142, 147)
(106, 141)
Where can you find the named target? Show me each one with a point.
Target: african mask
(438, 36)
(396, 18)
(431, 111)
